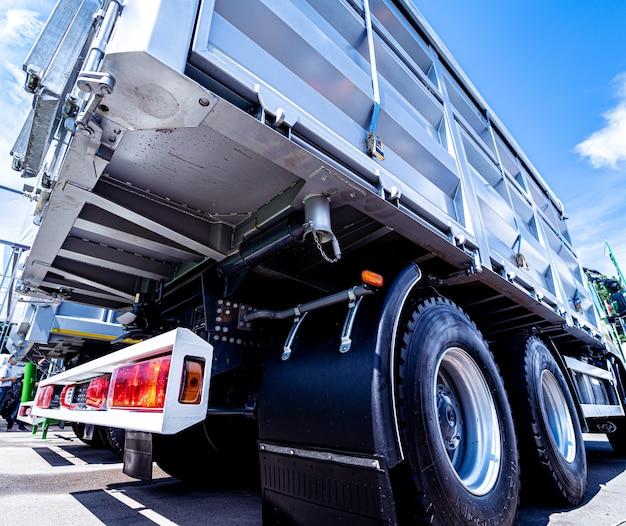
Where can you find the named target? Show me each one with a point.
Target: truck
(351, 285)
(609, 298)
(50, 337)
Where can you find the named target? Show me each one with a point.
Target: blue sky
(20, 23)
(554, 71)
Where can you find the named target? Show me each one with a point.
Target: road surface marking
(68, 456)
(149, 514)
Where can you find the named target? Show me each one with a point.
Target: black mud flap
(138, 455)
(328, 442)
(88, 432)
(308, 487)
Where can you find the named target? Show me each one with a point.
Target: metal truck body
(64, 331)
(221, 172)
(51, 337)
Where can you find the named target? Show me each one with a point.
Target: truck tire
(211, 455)
(114, 438)
(97, 439)
(457, 429)
(552, 449)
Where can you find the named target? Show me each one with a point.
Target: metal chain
(321, 249)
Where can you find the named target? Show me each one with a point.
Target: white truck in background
(349, 280)
(51, 337)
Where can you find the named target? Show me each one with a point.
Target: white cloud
(597, 215)
(15, 102)
(607, 147)
(15, 87)
(14, 105)
(19, 27)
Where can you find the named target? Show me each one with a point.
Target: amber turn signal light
(191, 386)
(371, 278)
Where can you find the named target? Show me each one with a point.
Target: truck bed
(216, 131)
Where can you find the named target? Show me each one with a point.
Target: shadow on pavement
(168, 501)
(603, 465)
(70, 455)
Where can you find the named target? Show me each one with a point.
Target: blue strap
(374, 122)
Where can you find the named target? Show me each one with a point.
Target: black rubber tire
(115, 438)
(216, 454)
(552, 449)
(458, 433)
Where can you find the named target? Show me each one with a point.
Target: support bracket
(346, 333)
(297, 321)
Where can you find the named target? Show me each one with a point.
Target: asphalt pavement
(61, 481)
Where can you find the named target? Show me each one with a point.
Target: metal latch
(346, 333)
(297, 321)
(91, 80)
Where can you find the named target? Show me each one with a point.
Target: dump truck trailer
(350, 282)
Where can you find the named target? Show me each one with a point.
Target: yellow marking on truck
(91, 335)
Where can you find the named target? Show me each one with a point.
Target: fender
(321, 407)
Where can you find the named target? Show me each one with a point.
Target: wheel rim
(468, 421)
(557, 416)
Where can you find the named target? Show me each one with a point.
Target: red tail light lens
(141, 385)
(97, 391)
(44, 396)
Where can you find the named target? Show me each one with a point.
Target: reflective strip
(362, 462)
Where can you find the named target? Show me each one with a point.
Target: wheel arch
(355, 383)
(400, 294)
(322, 400)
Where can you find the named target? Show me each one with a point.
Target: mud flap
(312, 487)
(327, 435)
(138, 455)
(88, 432)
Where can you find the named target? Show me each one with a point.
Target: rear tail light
(140, 385)
(191, 388)
(66, 396)
(97, 391)
(44, 396)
